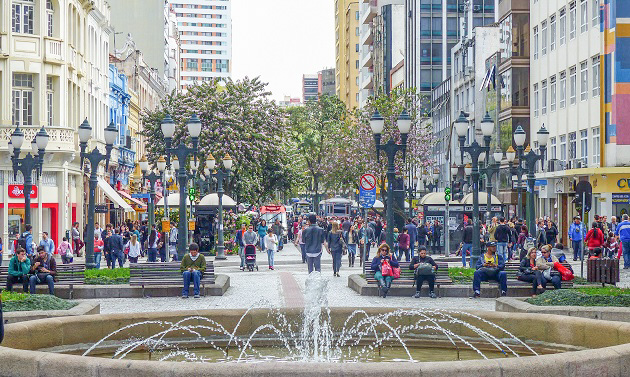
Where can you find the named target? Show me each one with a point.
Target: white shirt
(134, 251)
(271, 242)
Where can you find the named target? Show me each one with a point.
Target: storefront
(611, 194)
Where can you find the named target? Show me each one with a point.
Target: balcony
(366, 34)
(53, 52)
(72, 58)
(61, 139)
(369, 9)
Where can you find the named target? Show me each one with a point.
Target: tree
(238, 118)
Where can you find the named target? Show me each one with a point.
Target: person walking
(467, 240)
(403, 244)
(262, 232)
(98, 250)
(271, 245)
(249, 238)
(153, 244)
(300, 241)
(350, 237)
(314, 238)
(412, 230)
(594, 238)
(576, 235)
(47, 243)
(502, 235)
(436, 237)
(334, 246)
(238, 239)
(134, 249)
(76, 239)
(65, 250)
(116, 249)
(623, 231)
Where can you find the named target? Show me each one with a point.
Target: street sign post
(367, 190)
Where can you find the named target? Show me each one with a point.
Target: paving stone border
(608, 313)
(82, 308)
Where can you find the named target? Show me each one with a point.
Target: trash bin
(605, 271)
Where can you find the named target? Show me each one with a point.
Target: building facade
(205, 29)
(310, 88)
(347, 52)
(388, 46)
(327, 82)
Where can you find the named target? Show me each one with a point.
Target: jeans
(97, 259)
(502, 250)
(152, 255)
(280, 245)
(196, 278)
(421, 278)
(625, 250)
(577, 246)
(133, 259)
(480, 276)
(17, 279)
(1, 255)
(48, 280)
(303, 249)
(404, 252)
(435, 245)
(378, 276)
(352, 252)
(336, 256)
(366, 251)
(270, 254)
(262, 243)
(412, 247)
(465, 248)
(314, 263)
(241, 253)
(535, 278)
(162, 253)
(117, 255)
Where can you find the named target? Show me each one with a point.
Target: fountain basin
(22, 353)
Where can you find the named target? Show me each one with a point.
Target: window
(584, 146)
(595, 76)
(535, 42)
(356, 15)
(572, 20)
(50, 12)
(356, 31)
(49, 99)
(563, 89)
(552, 102)
(596, 145)
(584, 81)
(357, 47)
(535, 100)
(23, 99)
(544, 98)
(563, 27)
(563, 147)
(573, 85)
(543, 38)
(191, 64)
(572, 146)
(22, 16)
(206, 65)
(356, 64)
(595, 12)
(552, 33)
(553, 152)
(583, 16)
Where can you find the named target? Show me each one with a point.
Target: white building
(173, 50)
(205, 28)
(565, 86)
(53, 73)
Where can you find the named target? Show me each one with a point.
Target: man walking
(502, 236)
(47, 243)
(314, 237)
(623, 231)
(412, 230)
(115, 243)
(576, 235)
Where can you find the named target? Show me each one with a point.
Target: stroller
(250, 257)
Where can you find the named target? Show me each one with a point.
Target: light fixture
(85, 131)
(161, 164)
(498, 155)
(34, 147)
(543, 136)
(194, 126)
(404, 122)
(111, 133)
(377, 123)
(519, 136)
(468, 169)
(211, 163)
(17, 138)
(168, 127)
(487, 125)
(510, 154)
(227, 161)
(175, 162)
(144, 164)
(454, 170)
(42, 139)
(461, 125)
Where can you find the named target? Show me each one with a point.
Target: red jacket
(594, 238)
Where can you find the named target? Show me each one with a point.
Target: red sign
(368, 182)
(17, 191)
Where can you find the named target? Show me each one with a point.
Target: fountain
(263, 340)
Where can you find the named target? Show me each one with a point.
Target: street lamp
(26, 165)
(221, 174)
(181, 152)
(94, 157)
(519, 139)
(491, 167)
(476, 152)
(152, 178)
(530, 160)
(377, 123)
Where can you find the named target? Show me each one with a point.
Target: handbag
(395, 272)
(386, 268)
(564, 272)
(424, 269)
(344, 246)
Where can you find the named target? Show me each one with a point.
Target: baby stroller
(250, 257)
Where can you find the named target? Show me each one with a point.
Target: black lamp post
(221, 174)
(26, 165)
(477, 153)
(510, 155)
(152, 178)
(530, 160)
(377, 123)
(182, 152)
(492, 168)
(412, 183)
(95, 157)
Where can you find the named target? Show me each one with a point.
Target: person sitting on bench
(192, 267)
(424, 268)
(490, 266)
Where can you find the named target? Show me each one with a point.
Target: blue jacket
(29, 242)
(412, 230)
(574, 232)
(623, 231)
(377, 261)
(500, 262)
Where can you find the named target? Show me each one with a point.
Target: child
(611, 245)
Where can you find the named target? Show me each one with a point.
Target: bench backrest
(165, 270)
(73, 273)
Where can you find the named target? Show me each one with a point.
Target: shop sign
(621, 198)
(101, 208)
(17, 191)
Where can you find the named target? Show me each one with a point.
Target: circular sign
(368, 182)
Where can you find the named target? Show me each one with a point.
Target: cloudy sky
(279, 40)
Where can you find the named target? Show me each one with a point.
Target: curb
(607, 313)
(84, 308)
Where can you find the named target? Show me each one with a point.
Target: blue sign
(367, 198)
(141, 196)
(540, 182)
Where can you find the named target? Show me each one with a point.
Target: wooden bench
(67, 274)
(512, 268)
(407, 275)
(166, 273)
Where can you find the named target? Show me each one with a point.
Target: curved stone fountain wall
(18, 358)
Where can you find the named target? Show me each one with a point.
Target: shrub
(583, 297)
(14, 302)
(461, 275)
(107, 276)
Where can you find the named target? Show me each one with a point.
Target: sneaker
(476, 295)
(271, 268)
(432, 295)
(417, 295)
(503, 293)
(184, 296)
(197, 296)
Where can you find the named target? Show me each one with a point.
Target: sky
(280, 40)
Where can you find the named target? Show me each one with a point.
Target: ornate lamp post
(492, 168)
(221, 175)
(377, 123)
(26, 165)
(519, 140)
(412, 183)
(95, 157)
(510, 155)
(181, 152)
(152, 178)
(477, 153)
(530, 160)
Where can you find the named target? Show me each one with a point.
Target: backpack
(22, 241)
(527, 244)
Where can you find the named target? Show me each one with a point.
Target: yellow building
(347, 51)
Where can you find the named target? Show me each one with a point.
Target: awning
(135, 201)
(113, 196)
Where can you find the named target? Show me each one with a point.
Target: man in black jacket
(421, 275)
(115, 243)
(467, 247)
(502, 235)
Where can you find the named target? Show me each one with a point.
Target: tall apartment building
(347, 49)
(310, 87)
(432, 29)
(327, 82)
(205, 28)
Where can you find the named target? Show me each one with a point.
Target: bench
(67, 274)
(512, 268)
(164, 273)
(407, 275)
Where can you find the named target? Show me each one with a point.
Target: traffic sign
(368, 182)
(367, 198)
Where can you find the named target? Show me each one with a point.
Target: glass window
(563, 147)
(452, 26)
(49, 99)
(22, 99)
(544, 98)
(583, 16)
(584, 145)
(552, 33)
(22, 16)
(563, 27)
(563, 89)
(552, 142)
(436, 77)
(552, 101)
(535, 42)
(596, 145)
(535, 100)
(436, 26)
(425, 26)
(584, 81)
(572, 20)
(356, 15)
(573, 85)
(50, 12)
(595, 69)
(425, 53)
(572, 146)
(425, 5)
(437, 53)
(543, 38)
(595, 11)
